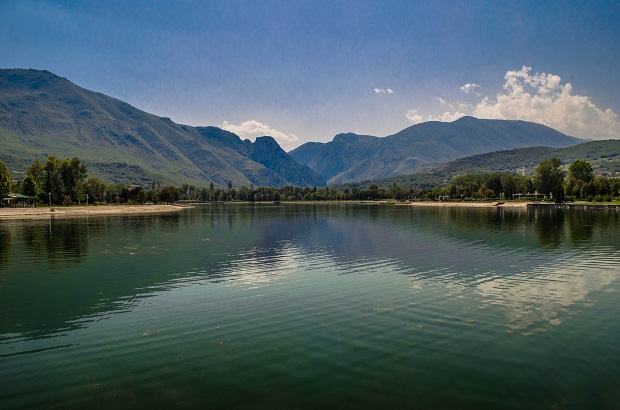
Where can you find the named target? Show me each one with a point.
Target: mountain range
(43, 114)
(604, 156)
(352, 157)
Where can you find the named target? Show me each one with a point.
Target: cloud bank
(252, 129)
(540, 98)
(383, 90)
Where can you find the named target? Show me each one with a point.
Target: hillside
(603, 155)
(43, 114)
(351, 157)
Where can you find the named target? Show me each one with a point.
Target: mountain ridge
(422, 146)
(604, 155)
(47, 114)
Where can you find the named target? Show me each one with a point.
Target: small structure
(19, 200)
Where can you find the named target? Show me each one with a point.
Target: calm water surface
(323, 306)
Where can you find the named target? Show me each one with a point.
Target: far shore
(493, 204)
(43, 212)
(77, 211)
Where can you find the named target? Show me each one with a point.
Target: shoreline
(78, 211)
(491, 204)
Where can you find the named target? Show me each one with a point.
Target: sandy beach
(77, 211)
(494, 204)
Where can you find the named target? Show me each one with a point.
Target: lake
(312, 306)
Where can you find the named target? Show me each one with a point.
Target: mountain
(603, 155)
(352, 157)
(43, 114)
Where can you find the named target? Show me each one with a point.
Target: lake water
(312, 306)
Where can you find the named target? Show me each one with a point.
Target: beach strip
(494, 204)
(76, 211)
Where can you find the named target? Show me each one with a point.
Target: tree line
(550, 181)
(65, 182)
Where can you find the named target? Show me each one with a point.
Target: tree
(53, 180)
(169, 194)
(37, 171)
(29, 186)
(73, 175)
(509, 185)
(95, 188)
(581, 170)
(5, 181)
(143, 196)
(549, 178)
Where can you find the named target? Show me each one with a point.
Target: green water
(299, 306)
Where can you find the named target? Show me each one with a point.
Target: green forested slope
(43, 114)
(603, 155)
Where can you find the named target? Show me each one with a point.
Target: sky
(304, 71)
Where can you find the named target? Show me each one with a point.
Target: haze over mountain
(43, 114)
(352, 157)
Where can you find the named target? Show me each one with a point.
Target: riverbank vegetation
(66, 182)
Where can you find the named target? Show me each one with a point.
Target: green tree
(143, 196)
(169, 194)
(37, 171)
(54, 185)
(95, 188)
(509, 185)
(73, 175)
(602, 186)
(29, 186)
(5, 181)
(581, 170)
(549, 178)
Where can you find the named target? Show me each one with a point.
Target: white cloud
(413, 116)
(383, 90)
(448, 116)
(540, 98)
(441, 100)
(252, 129)
(470, 88)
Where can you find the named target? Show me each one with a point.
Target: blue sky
(307, 70)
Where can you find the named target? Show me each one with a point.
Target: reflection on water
(105, 260)
(549, 227)
(5, 244)
(311, 305)
(544, 296)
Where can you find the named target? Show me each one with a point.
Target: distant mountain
(603, 155)
(352, 157)
(43, 114)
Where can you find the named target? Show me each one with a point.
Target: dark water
(312, 307)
